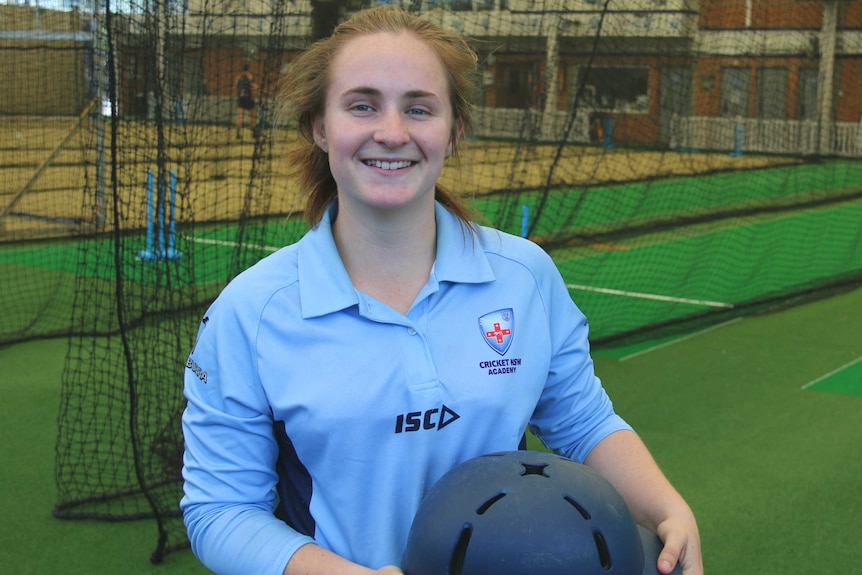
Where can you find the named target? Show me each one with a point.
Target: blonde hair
(302, 92)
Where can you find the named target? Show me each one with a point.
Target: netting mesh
(683, 162)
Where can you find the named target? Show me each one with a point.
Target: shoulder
(256, 285)
(521, 266)
(514, 249)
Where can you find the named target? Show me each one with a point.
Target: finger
(670, 554)
(666, 562)
(680, 557)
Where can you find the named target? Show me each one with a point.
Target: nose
(391, 130)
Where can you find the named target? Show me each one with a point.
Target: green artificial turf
(656, 275)
(846, 379)
(770, 467)
(32, 541)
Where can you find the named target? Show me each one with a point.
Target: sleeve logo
(498, 328)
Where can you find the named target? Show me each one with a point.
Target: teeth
(388, 165)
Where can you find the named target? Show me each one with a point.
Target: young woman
(335, 381)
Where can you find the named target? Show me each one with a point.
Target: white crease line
(831, 373)
(687, 337)
(651, 296)
(229, 244)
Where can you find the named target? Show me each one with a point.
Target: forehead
(401, 59)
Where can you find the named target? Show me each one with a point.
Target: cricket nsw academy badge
(497, 328)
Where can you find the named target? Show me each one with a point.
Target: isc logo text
(436, 418)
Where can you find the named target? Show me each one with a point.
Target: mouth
(393, 165)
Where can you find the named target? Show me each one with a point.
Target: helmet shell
(523, 513)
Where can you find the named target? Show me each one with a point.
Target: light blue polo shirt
(316, 403)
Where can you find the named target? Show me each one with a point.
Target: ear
(319, 132)
(457, 132)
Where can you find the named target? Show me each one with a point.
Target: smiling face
(387, 122)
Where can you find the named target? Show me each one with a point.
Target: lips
(389, 165)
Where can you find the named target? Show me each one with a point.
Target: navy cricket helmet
(524, 513)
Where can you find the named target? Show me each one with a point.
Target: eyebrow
(366, 90)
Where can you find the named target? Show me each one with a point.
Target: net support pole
(148, 253)
(102, 93)
(172, 253)
(607, 133)
(827, 73)
(738, 133)
(552, 66)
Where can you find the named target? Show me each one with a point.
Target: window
(772, 93)
(459, 5)
(735, 90)
(355, 5)
(517, 85)
(806, 101)
(623, 88)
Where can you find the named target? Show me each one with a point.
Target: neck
(388, 257)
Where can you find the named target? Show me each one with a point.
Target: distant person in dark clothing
(246, 86)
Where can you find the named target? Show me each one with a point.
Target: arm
(312, 559)
(229, 461)
(230, 453)
(623, 459)
(575, 418)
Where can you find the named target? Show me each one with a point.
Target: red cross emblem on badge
(497, 328)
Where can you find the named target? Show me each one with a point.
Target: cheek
(437, 142)
(447, 144)
(345, 139)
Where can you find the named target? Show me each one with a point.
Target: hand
(681, 544)
(623, 459)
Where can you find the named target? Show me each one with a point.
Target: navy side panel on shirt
(294, 485)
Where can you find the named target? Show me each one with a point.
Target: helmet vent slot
(604, 552)
(581, 509)
(487, 505)
(534, 469)
(456, 565)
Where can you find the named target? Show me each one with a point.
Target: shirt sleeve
(230, 453)
(574, 412)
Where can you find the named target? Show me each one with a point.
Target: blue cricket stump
(161, 243)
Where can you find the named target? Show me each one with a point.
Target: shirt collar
(460, 254)
(325, 286)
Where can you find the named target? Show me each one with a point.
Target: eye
(362, 108)
(416, 111)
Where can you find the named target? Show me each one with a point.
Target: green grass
(771, 469)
